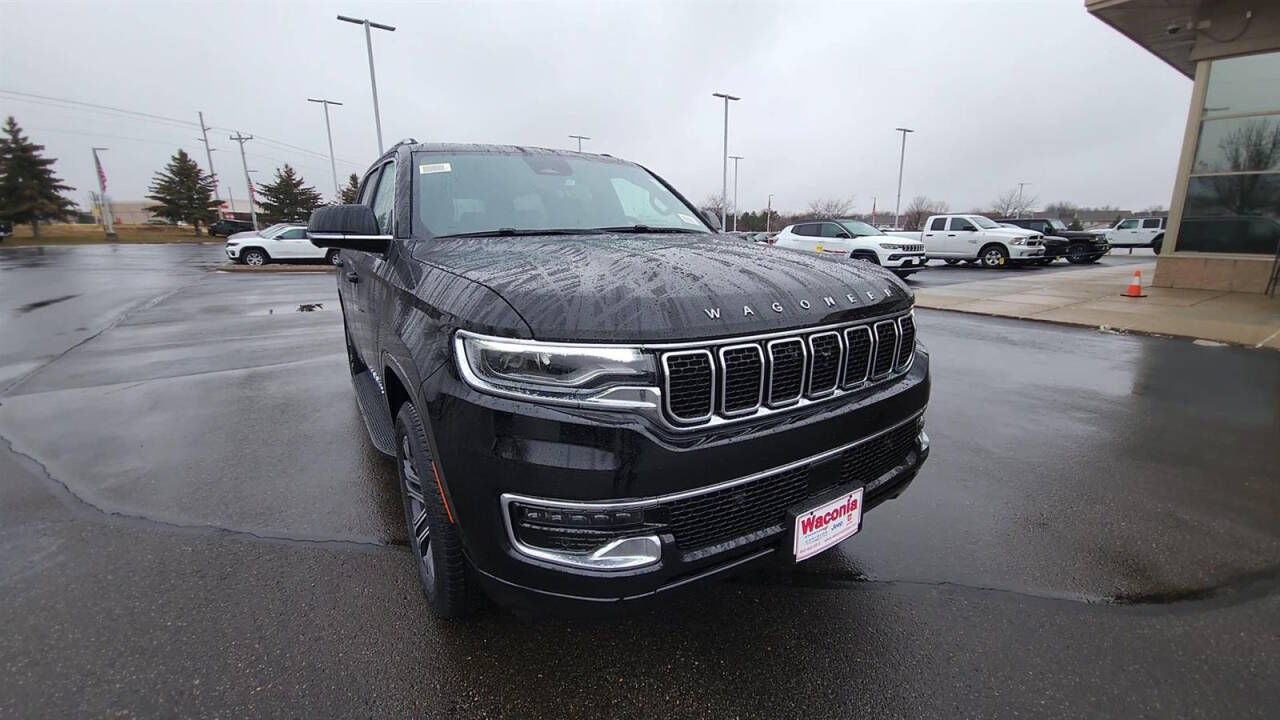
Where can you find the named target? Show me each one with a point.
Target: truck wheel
(1157, 243)
(433, 538)
(1079, 254)
(993, 256)
(254, 257)
(332, 257)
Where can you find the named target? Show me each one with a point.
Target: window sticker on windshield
(434, 168)
(688, 218)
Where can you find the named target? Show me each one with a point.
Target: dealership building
(1223, 230)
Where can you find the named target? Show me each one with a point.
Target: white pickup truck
(976, 239)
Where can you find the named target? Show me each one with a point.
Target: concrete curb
(1100, 328)
(273, 268)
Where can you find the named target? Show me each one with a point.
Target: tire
(865, 257)
(254, 256)
(332, 257)
(1080, 254)
(433, 538)
(993, 256)
(1157, 243)
(951, 261)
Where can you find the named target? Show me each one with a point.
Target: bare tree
(830, 207)
(1061, 210)
(1253, 146)
(1013, 203)
(921, 207)
(712, 206)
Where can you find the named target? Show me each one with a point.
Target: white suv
(283, 241)
(857, 240)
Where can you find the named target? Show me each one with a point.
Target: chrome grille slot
(827, 353)
(857, 365)
(690, 384)
(753, 377)
(886, 348)
(786, 371)
(741, 378)
(907, 341)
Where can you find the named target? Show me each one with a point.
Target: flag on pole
(102, 176)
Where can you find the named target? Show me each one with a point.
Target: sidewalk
(1092, 297)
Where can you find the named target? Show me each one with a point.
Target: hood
(1012, 232)
(243, 235)
(659, 288)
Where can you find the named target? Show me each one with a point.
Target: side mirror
(349, 227)
(713, 221)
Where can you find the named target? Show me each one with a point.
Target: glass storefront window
(1243, 85)
(1233, 195)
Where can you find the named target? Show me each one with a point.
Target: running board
(373, 406)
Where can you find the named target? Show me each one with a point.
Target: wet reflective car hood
(657, 288)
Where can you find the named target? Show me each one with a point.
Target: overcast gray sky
(998, 92)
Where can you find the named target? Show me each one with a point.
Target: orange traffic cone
(1135, 286)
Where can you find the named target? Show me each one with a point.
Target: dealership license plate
(826, 525)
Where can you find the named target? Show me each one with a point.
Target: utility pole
(580, 138)
(873, 210)
(253, 212)
(373, 81)
(232, 198)
(724, 167)
(768, 213)
(102, 190)
(204, 138)
(736, 158)
(332, 163)
(897, 206)
(1018, 210)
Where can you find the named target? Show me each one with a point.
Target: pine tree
(349, 193)
(287, 198)
(184, 192)
(29, 191)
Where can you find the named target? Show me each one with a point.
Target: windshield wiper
(520, 232)
(648, 229)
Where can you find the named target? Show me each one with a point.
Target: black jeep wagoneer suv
(592, 396)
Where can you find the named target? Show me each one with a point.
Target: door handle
(951, 234)
(352, 277)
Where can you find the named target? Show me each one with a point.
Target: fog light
(583, 535)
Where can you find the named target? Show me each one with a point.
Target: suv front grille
(741, 379)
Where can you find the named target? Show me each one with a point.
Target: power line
(47, 99)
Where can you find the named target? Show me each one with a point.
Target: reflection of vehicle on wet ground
(1077, 246)
(975, 238)
(592, 397)
(6, 229)
(282, 242)
(856, 240)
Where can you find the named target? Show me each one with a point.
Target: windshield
(857, 228)
(273, 230)
(1057, 225)
(481, 192)
(982, 222)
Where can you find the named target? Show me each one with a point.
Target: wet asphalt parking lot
(193, 523)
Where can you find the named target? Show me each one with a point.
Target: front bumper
(1018, 252)
(233, 252)
(904, 260)
(499, 458)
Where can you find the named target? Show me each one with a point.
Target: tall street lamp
(373, 82)
(579, 138)
(768, 213)
(897, 206)
(333, 166)
(724, 168)
(736, 158)
(1018, 209)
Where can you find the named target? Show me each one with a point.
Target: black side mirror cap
(348, 227)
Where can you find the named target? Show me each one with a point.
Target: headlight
(232, 243)
(1018, 241)
(891, 246)
(588, 375)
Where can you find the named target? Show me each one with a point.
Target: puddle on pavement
(297, 308)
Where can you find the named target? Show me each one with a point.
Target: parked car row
(856, 240)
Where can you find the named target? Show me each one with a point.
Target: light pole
(102, 189)
(1018, 209)
(897, 206)
(724, 168)
(873, 210)
(332, 164)
(253, 212)
(580, 138)
(736, 158)
(373, 82)
(768, 213)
